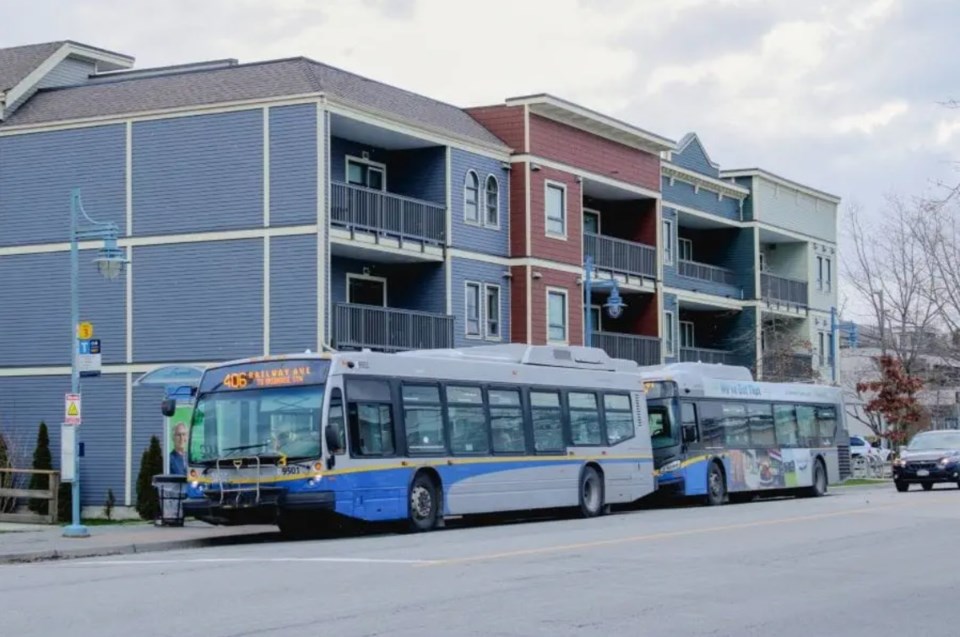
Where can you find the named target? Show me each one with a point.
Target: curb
(130, 549)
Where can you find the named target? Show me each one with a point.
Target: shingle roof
(18, 62)
(260, 80)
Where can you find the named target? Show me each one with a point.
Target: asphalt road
(861, 561)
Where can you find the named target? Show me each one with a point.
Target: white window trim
(668, 243)
(693, 335)
(360, 160)
(594, 213)
(486, 223)
(669, 331)
(366, 277)
(481, 199)
(547, 184)
(680, 242)
(480, 312)
(566, 319)
(486, 318)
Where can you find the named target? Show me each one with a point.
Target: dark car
(931, 457)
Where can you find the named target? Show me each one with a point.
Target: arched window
(471, 196)
(493, 202)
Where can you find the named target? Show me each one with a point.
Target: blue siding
(480, 272)
(38, 171)
(68, 72)
(340, 148)
(747, 182)
(488, 240)
(740, 258)
(147, 421)
(25, 401)
(293, 165)
(742, 338)
(682, 194)
(198, 173)
(35, 309)
(198, 301)
(418, 173)
(419, 287)
(293, 294)
(694, 157)
(671, 304)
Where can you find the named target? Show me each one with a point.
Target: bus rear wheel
(716, 485)
(591, 493)
(819, 486)
(424, 503)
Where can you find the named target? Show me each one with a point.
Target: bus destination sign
(259, 375)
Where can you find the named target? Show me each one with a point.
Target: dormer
(24, 70)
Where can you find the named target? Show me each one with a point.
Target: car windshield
(284, 420)
(938, 440)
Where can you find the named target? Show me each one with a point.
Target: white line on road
(242, 560)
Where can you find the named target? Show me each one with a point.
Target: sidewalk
(21, 543)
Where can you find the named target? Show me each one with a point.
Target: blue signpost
(614, 304)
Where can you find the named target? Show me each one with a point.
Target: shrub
(151, 464)
(42, 460)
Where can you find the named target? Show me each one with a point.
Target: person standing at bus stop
(178, 459)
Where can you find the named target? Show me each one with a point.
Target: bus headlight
(670, 466)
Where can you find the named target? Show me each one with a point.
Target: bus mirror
(168, 407)
(689, 434)
(333, 440)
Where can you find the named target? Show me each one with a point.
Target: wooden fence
(33, 494)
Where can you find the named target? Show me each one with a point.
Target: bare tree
(890, 271)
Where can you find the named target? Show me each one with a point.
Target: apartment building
(286, 205)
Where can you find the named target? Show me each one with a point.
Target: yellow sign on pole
(85, 331)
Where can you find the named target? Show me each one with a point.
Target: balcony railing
(788, 367)
(783, 289)
(383, 213)
(704, 355)
(645, 350)
(620, 255)
(388, 329)
(707, 272)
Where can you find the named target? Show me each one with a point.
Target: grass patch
(862, 482)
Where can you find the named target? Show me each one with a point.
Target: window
(366, 290)
(619, 418)
(688, 417)
(370, 417)
(806, 419)
(591, 221)
(471, 197)
(366, 174)
(493, 311)
(711, 423)
(668, 340)
(822, 348)
(506, 421)
(667, 242)
(735, 429)
(662, 425)
(827, 423)
(557, 316)
(335, 419)
(785, 420)
(584, 418)
(596, 318)
(472, 302)
(556, 210)
(686, 334)
(686, 249)
(760, 420)
(493, 199)
(468, 422)
(828, 275)
(423, 419)
(545, 416)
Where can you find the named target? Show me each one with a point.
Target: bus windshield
(663, 423)
(282, 420)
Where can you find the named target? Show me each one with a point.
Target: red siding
(506, 122)
(569, 250)
(646, 324)
(575, 147)
(519, 284)
(634, 220)
(518, 210)
(556, 279)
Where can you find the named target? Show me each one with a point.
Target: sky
(845, 96)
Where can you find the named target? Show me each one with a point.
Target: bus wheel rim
(420, 502)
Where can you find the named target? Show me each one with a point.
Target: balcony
(385, 215)
(388, 329)
(645, 350)
(620, 256)
(704, 355)
(707, 272)
(783, 290)
(788, 368)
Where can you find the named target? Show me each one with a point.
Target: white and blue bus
(719, 435)
(416, 436)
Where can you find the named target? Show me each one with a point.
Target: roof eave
(717, 185)
(789, 183)
(593, 122)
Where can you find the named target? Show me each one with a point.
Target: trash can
(170, 490)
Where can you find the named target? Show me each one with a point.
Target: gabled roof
(690, 138)
(18, 62)
(190, 87)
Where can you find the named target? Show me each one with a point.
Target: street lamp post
(614, 303)
(110, 261)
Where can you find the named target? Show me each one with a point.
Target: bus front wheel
(424, 503)
(716, 485)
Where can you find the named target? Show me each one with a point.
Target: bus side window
(335, 420)
(370, 418)
(711, 423)
(688, 420)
